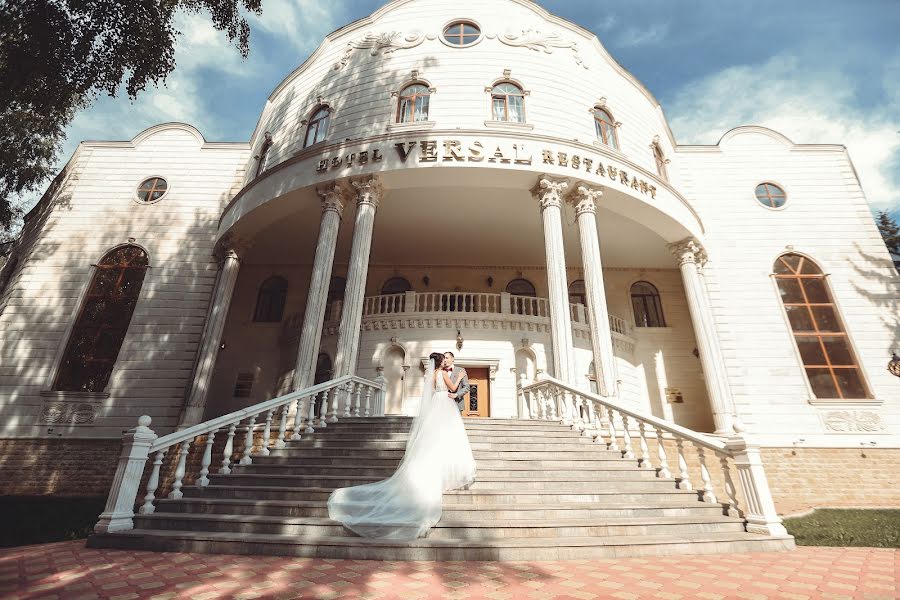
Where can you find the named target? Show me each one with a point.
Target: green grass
(847, 527)
(42, 519)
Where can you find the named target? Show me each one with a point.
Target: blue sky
(820, 71)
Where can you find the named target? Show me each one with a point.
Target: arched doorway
(394, 373)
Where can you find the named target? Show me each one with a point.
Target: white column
(333, 200)
(549, 193)
(369, 194)
(691, 257)
(585, 199)
(211, 340)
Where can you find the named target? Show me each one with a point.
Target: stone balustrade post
(584, 198)
(760, 510)
(118, 515)
(333, 200)
(691, 257)
(505, 303)
(409, 303)
(211, 339)
(549, 193)
(380, 400)
(369, 193)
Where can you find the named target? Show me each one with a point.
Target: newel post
(760, 508)
(119, 512)
(380, 400)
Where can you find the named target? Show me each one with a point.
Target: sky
(819, 71)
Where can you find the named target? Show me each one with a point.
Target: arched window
(577, 293)
(830, 363)
(270, 300)
(323, 369)
(395, 285)
(508, 102)
(335, 298)
(413, 104)
(647, 305)
(521, 287)
(262, 159)
(317, 128)
(660, 159)
(103, 321)
(605, 127)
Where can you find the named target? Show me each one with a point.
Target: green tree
(57, 56)
(890, 231)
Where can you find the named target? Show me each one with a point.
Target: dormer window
(462, 34)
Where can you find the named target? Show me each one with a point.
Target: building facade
(476, 177)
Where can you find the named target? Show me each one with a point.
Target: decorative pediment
(538, 41)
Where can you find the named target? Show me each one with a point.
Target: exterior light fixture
(894, 365)
(490, 281)
(426, 280)
(459, 340)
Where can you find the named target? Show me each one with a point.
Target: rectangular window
(243, 385)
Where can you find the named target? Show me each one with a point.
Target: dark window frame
(410, 100)
(605, 128)
(647, 306)
(504, 96)
(271, 300)
(318, 125)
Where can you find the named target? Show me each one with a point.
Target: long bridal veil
(408, 504)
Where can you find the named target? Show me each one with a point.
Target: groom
(454, 372)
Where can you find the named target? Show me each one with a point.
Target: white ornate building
(481, 177)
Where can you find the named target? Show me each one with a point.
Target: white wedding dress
(438, 458)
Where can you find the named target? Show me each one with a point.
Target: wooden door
(477, 403)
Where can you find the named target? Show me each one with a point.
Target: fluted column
(333, 201)
(585, 198)
(691, 257)
(549, 192)
(211, 339)
(368, 195)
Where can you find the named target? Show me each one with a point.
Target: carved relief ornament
(334, 198)
(585, 198)
(549, 192)
(534, 39)
(368, 191)
(383, 43)
(852, 421)
(688, 250)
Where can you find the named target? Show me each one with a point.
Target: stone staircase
(543, 492)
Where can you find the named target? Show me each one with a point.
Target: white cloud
(634, 36)
(807, 106)
(298, 24)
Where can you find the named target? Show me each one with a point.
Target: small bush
(847, 527)
(42, 519)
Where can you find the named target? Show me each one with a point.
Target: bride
(437, 458)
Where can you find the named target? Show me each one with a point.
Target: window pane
(810, 268)
(816, 291)
(469, 29)
(788, 264)
(422, 108)
(469, 39)
(822, 383)
(851, 383)
(404, 112)
(640, 314)
(499, 109)
(826, 319)
(799, 318)
(810, 350)
(790, 291)
(310, 135)
(516, 109)
(838, 351)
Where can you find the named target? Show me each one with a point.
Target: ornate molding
(549, 192)
(68, 413)
(334, 198)
(852, 421)
(534, 39)
(231, 247)
(383, 43)
(368, 191)
(688, 250)
(585, 198)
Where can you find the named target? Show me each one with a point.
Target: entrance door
(477, 403)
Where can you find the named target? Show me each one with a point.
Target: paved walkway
(69, 571)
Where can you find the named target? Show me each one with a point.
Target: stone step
(683, 507)
(474, 436)
(535, 548)
(447, 528)
(386, 468)
(304, 472)
(579, 444)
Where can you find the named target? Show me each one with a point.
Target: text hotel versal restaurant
(454, 151)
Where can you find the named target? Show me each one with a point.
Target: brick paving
(69, 571)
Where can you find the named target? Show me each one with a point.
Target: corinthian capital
(584, 198)
(688, 250)
(549, 192)
(334, 197)
(368, 191)
(231, 246)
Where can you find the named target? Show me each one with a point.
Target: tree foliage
(56, 56)
(890, 231)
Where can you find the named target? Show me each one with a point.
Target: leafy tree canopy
(890, 231)
(56, 56)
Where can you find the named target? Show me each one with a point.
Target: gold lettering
(363, 157)
(376, 155)
(613, 172)
(587, 164)
(635, 185)
(600, 170)
(623, 177)
(548, 156)
(576, 162)
(453, 150)
(323, 165)
(653, 192)
(476, 152)
(498, 153)
(428, 151)
(563, 159)
(336, 162)
(403, 150)
(644, 187)
(350, 158)
(521, 160)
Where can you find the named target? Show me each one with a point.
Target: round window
(770, 195)
(152, 189)
(462, 33)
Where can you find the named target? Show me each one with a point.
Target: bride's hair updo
(436, 358)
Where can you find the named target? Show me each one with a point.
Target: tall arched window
(577, 293)
(830, 363)
(395, 285)
(270, 300)
(317, 128)
(413, 104)
(335, 300)
(660, 159)
(606, 128)
(647, 306)
(521, 287)
(262, 158)
(103, 321)
(508, 103)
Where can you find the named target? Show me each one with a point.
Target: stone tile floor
(69, 571)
